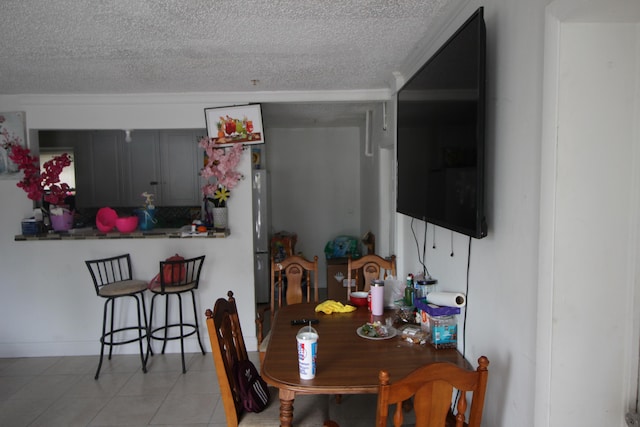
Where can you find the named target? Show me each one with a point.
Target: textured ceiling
(166, 46)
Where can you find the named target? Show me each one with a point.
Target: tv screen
(440, 125)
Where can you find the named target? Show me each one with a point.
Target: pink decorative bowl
(359, 299)
(127, 224)
(106, 219)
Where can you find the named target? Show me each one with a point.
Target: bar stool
(177, 277)
(113, 279)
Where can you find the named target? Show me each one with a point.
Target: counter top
(94, 234)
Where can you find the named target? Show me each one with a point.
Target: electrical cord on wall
(466, 292)
(464, 322)
(421, 258)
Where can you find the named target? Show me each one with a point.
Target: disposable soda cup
(307, 352)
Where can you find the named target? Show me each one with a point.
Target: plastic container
(106, 219)
(443, 331)
(359, 299)
(127, 224)
(425, 287)
(413, 334)
(32, 228)
(62, 221)
(146, 218)
(435, 310)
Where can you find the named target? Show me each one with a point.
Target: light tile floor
(62, 391)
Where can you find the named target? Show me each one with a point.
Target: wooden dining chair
(431, 387)
(371, 267)
(227, 349)
(297, 273)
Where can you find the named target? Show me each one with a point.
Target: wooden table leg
(286, 407)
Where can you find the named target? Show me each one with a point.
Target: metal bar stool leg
(102, 337)
(195, 316)
(147, 325)
(166, 321)
(184, 368)
(113, 303)
(143, 358)
(151, 330)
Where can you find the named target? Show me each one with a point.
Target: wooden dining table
(346, 362)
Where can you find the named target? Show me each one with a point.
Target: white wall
(48, 298)
(561, 212)
(589, 240)
(502, 288)
(315, 186)
(377, 177)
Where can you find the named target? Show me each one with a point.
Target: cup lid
(307, 329)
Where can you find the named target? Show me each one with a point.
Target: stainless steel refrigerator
(261, 241)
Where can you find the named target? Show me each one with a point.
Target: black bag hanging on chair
(254, 391)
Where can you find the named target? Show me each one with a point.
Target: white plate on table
(392, 332)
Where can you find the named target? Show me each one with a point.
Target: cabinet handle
(153, 183)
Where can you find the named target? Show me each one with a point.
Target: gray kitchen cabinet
(180, 160)
(115, 173)
(99, 180)
(142, 167)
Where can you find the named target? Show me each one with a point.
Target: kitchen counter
(94, 234)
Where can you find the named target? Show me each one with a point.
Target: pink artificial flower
(34, 181)
(221, 165)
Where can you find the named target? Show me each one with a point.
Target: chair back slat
(432, 387)
(185, 272)
(372, 267)
(109, 270)
(298, 272)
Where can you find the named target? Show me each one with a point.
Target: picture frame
(13, 130)
(238, 124)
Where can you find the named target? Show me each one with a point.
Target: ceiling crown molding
(213, 98)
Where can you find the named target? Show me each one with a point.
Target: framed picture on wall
(241, 124)
(13, 131)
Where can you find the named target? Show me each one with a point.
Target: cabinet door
(142, 164)
(105, 177)
(179, 154)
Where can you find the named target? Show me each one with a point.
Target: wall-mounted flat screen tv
(440, 140)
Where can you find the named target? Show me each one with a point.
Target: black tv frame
(416, 195)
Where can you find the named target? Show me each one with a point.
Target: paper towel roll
(447, 299)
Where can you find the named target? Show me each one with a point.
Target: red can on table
(369, 300)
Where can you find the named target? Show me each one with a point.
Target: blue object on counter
(146, 219)
(435, 310)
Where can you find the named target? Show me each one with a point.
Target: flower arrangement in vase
(221, 164)
(45, 184)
